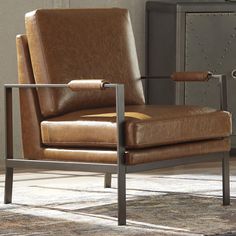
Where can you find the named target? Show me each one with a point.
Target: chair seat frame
(121, 168)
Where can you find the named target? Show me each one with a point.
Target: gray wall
(12, 23)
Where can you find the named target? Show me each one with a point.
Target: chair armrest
(182, 76)
(191, 76)
(199, 76)
(76, 85)
(120, 111)
(205, 76)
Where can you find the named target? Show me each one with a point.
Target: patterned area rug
(171, 214)
(71, 206)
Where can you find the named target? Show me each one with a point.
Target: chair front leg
(121, 166)
(226, 179)
(9, 145)
(121, 195)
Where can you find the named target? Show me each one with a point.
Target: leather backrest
(69, 44)
(29, 105)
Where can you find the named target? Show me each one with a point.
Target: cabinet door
(210, 44)
(160, 55)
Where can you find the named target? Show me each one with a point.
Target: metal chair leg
(122, 195)
(226, 179)
(121, 167)
(8, 185)
(107, 180)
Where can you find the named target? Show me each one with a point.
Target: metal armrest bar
(155, 77)
(220, 77)
(36, 85)
(49, 85)
(212, 76)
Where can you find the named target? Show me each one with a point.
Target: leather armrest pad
(86, 84)
(191, 76)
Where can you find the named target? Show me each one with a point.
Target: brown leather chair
(78, 72)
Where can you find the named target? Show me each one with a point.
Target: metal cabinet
(191, 36)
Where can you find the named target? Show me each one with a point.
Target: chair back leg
(107, 180)
(226, 179)
(8, 185)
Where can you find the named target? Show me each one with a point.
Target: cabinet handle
(233, 73)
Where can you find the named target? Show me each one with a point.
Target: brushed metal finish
(62, 165)
(9, 145)
(226, 179)
(121, 167)
(172, 163)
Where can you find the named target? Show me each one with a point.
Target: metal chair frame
(121, 168)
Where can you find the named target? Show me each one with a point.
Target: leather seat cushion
(133, 157)
(145, 126)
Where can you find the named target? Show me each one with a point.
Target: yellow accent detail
(135, 115)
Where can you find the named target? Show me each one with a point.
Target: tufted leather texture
(146, 126)
(133, 157)
(71, 44)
